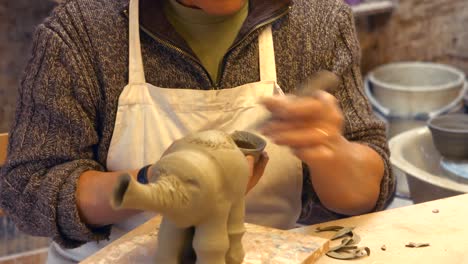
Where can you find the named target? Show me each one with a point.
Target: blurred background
(389, 31)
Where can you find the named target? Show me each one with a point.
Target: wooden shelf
(374, 7)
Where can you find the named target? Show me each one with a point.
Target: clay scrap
(417, 245)
(348, 249)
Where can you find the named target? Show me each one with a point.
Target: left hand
(311, 126)
(256, 169)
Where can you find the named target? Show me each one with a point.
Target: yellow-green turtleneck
(209, 36)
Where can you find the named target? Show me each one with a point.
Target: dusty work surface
(442, 223)
(262, 245)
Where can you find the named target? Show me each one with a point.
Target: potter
(113, 83)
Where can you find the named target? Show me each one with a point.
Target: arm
(345, 175)
(51, 176)
(93, 193)
(349, 182)
(361, 127)
(337, 136)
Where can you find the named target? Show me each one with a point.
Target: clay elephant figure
(201, 183)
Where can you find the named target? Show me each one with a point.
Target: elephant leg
(211, 239)
(171, 242)
(188, 255)
(236, 230)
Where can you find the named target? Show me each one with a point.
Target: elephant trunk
(157, 197)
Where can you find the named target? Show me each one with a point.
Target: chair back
(3, 155)
(3, 148)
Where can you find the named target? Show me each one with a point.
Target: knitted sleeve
(361, 125)
(52, 142)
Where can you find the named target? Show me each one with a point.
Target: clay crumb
(417, 245)
(383, 247)
(435, 211)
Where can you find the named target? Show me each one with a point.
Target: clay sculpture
(200, 184)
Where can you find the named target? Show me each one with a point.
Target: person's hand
(256, 169)
(311, 126)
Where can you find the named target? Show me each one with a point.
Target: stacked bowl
(405, 95)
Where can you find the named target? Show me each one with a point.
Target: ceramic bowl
(450, 135)
(416, 118)
(407, 89)
(249, 143)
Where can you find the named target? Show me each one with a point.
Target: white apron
(150, 118)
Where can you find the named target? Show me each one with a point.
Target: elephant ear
(175, 190)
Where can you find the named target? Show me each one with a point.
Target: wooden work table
(446, 231)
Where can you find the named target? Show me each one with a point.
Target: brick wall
(426, 30)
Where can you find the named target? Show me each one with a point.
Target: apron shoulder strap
(136, 72)
(267, 55)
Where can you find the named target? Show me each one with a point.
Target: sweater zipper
(169, 45)
(266, 22)
(221, 67)
(178, 50)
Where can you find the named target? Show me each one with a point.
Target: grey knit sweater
(69, 93)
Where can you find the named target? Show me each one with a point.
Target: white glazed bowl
(407, 89)
(397, 124)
